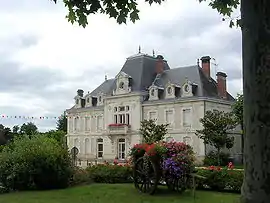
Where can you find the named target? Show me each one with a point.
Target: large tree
(216, 129)
(28, 129)
(255, 26)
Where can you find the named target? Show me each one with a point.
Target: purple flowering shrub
(178, 160)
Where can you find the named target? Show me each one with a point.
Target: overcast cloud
(44, 59)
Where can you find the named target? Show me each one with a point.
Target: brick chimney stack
(159, 64)
(222, 84)
(206, 66)
(80, 92)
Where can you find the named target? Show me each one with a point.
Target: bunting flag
(4, 116)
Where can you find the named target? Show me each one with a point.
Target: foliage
(220, 179)
(34, 163)
(211, 159)
(216, 126)
(79, 10)
(5, 134)
(238, 109)
(61, 123)
(152, 132)
(28, 129)
(80, 177)
(106, 173)
(58, 135)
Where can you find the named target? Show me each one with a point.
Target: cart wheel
(145, 175)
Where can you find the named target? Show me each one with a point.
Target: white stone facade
(107, 126)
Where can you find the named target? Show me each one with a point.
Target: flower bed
(221, 179)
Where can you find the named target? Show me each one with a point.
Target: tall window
(76, 124)
(169, 117)
(70, 124)
(152, 115)
(186, 117)
(121, 148)
(99, 123)
(87, 124)
(87, 146)
(121, 115)
(99, 148)
(76, 143)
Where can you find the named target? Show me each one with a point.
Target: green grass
(115, 193)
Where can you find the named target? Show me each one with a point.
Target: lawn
(115, 193)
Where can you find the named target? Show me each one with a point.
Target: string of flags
(3, 116)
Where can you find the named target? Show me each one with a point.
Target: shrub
(105, 173)
(80, 177)
(36, 163)
(220, 179)
(211, 159)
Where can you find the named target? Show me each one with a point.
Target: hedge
(216, 178)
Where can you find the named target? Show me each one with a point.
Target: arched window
(76, 143)
(99, 148)
(121, 148)
(87, 146)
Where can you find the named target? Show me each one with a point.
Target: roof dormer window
(169, 90)
(121, 85)
(153, 92)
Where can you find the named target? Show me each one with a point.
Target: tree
(216, 128)
(61, 123)
(5, 134)
(28, 129)
(238, 112)
(58, 135)
(16, 129)
(152, 132)
(256, 70)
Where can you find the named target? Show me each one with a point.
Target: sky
(44, 59)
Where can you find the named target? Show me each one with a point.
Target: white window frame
(120, 152)
(153, 111)
(120, 117)
(76, 124)
(100, 141)
(87, 123)
(98, 124)
(87, 147)
(165, 118)
(189, 124)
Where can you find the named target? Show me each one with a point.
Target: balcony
(116, 129)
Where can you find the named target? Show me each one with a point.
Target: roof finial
(153, 53)
(139, 49)
(106, 78)
(198, 62)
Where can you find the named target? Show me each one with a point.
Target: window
(186, 117)
(76, 124)
(70, 125)
(99, 148)
(121, 116)
(152, 92)
(88, 100)
(169, 117)
(99, 98)
(99, 123)
(87, 146)
(152, 115)
(115, 109)
(121, 85)
(169, 90)
(121, 148)
(186, 88)
(187, 140)
(87, 124)
(76, 142)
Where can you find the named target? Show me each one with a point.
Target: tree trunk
(256, 74)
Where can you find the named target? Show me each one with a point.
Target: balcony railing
(115, 129)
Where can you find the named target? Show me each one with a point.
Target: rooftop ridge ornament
(153, 53)
(139, 49)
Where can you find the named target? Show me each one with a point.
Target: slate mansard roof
(142, 69)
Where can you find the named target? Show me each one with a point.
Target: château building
(104, 123)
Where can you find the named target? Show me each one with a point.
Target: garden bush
(220, 179)
(211, 159)
(80, 177)
(38, 162)
(106, 173)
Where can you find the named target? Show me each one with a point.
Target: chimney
(159, 64)
(206, 66)
(80, 92)
(222, 85)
